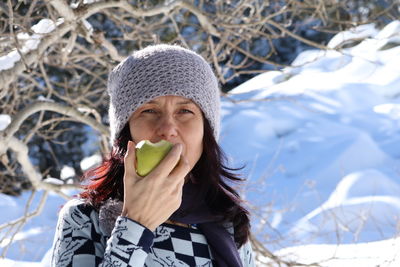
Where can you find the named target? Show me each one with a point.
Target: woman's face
(172, 118)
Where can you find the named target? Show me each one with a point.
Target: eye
(186, 111)
(149, 111)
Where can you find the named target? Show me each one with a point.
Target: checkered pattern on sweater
(80, 241)
(184, 245)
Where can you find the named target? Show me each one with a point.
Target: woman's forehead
(171, 99)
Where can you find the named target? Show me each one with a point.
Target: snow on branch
(10, 74)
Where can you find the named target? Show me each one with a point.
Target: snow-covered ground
(321, 146)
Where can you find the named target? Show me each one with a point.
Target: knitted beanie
(161, 70)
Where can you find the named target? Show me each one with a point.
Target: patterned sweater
(80, 240)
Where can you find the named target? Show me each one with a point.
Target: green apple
(149, 154)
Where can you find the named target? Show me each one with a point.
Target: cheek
(195, 142)
(139, 130)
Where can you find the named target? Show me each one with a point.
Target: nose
(167, 128)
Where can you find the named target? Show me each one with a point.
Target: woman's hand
(151, 200)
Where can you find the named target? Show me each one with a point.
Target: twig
(9, 75)
(23, 220)
(48, 106)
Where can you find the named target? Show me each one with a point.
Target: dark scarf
(193, 210)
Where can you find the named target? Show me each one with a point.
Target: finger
(178, 191)
(165, 167)
(181, 170)
(130, 160)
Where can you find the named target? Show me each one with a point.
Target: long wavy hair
(210, 172)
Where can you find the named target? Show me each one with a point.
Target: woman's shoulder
(228, 225)
(245, 251)
(79, 210)
(80, 215)
(77, 204)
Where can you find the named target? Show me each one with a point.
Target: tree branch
(13, 127)
(162, 9)
(21, 150)
(63, 9)
(9, 75)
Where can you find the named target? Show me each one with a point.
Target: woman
(183, 213)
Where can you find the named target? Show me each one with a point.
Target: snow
(52, 180)
(90, 162)
(370, 254)
(85, 2)
(89, 1)
(320, 145)
(67, 172)
(29, 42)
(43, 98)
(5, 120)
(358, 33)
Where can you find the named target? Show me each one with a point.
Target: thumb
(130, 160)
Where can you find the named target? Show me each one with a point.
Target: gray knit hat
(162, 70)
